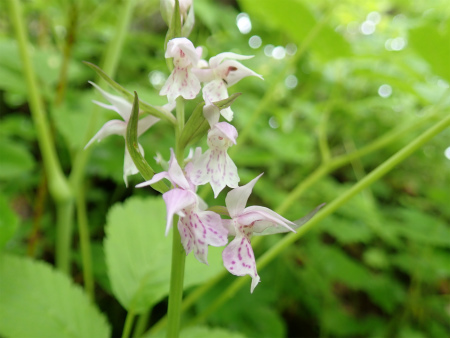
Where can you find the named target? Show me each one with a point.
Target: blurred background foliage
(338, 76)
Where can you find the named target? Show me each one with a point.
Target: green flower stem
(85, 243)
(128, 324)
(59, 187)
(176, 284)
(178, 253)
(288, 240)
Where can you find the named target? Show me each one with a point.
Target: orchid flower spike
(186, 13)
(119, 127)
(215, 165)
(224, 71)
(198, 228)
(238, 256)
(181, 82)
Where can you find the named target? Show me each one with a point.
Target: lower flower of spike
(198, 229)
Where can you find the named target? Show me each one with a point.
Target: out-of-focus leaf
(138, 255)
(37, 301)
(433, 44)
(15, 160)
(297, 21)
(8, 222)
(200, 332)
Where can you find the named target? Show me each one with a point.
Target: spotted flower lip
(182, 81)
(238, 256)
(198, 228)
(119, 127)
(215, 166)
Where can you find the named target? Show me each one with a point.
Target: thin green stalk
(178, 253)
(368, 180)
(64, 225)
(176, 284)
(59, 187)
(141, 323)
(128, 324)
(85, 243)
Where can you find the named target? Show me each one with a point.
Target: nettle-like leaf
(138, 254)
(37, 301)
(201, 332)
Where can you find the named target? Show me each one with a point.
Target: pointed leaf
(222, 104)
(38, 301)
(133, 148)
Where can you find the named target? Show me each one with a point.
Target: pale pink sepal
(113, 127)
(177, 200)
(236, 199)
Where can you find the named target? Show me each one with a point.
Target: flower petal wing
(145, 123)
(239, 259)
(177, 200)
(232, 72)
(256, 213)
(237, 198)
(113, 127)
(176, 173)
(215, 61)
(122, 105)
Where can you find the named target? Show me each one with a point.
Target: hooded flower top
(119, 127)
(224, 71)
(198, 228)
(181, 82)
(215, 165)
(238, 256)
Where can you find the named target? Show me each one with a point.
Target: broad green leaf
(138, 255)
(200, 332)
(15, 160)
(37, 301)
(297, 21)
(8, 222)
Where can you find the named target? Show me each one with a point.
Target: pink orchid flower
(238, 256)
(198, 228)
(119, 127)
(215, 165)
(181, 82)
(224, 71)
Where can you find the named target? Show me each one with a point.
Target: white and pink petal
(177, 200)
(198, 229)
(237, 198)
(239, 259)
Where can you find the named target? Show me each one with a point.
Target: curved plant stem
(58, 185)
(128, 324)
(288, 240)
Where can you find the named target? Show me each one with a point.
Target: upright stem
(58, 185)
(178, 253)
